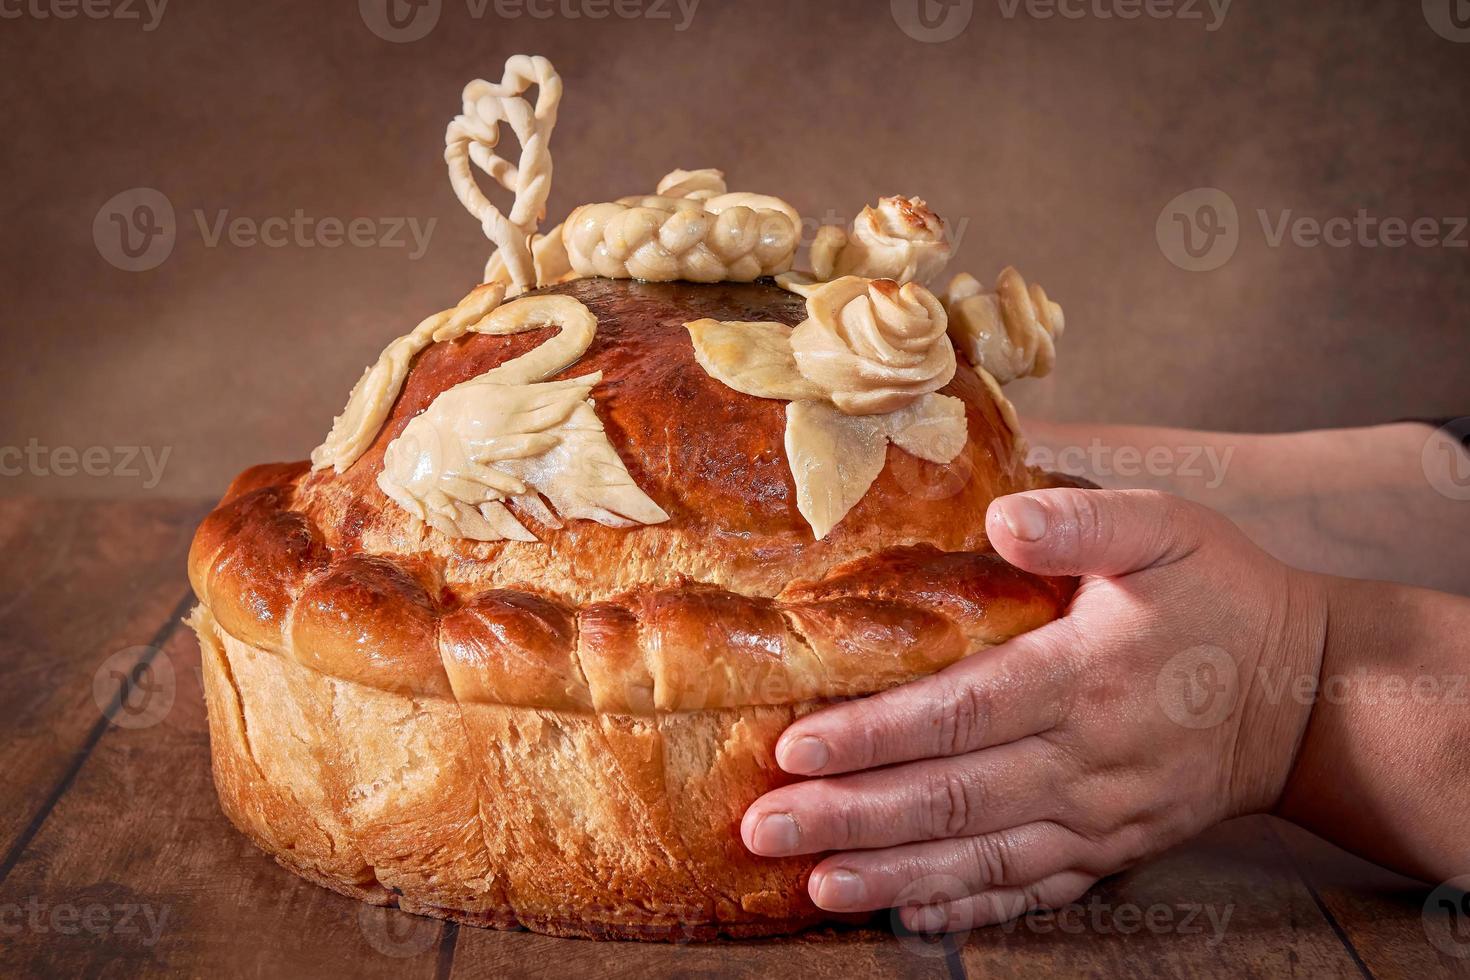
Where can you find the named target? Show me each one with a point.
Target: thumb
(1094, 532)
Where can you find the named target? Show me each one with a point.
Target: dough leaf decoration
(862, 370)
(932, 428)
(834, 459)
(509, 436)
(752, 357)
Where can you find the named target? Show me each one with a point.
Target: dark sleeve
(1456, 428)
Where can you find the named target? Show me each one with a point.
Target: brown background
(1052, 144)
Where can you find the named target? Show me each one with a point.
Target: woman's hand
(1014, 779)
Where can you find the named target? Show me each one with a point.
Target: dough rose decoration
(899, 239)
(1010, 331)
(860, 372)
(872, 345)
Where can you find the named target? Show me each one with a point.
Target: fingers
(999, 905)
(1017, 689)
(928, 800)
(947, 870)
(1094, 532)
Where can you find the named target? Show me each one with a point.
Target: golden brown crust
(729, 603)
(388, 623)
(711, 457)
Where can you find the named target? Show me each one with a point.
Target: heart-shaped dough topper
(473, 136)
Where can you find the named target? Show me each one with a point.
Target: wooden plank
(1390, 920)
(824, 953)
(1227, 904)
(84, 588)
(139, 845)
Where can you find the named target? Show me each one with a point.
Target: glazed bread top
(729, 602)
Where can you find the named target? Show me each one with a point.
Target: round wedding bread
(515, 648)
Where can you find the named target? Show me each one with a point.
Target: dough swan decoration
(510, 436)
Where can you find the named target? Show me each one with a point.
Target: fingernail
(839, 890)
(807, 754)
(775, 834)
(1024, 517)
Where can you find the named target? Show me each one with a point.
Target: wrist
(1279, 692)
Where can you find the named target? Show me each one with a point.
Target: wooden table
(117, 861)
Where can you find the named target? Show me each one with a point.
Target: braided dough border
(266, 574)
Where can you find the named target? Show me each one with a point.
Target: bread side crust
(572, 824)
